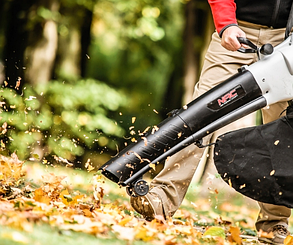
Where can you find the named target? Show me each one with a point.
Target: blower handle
(265, 49)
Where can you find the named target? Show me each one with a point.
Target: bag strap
(289, 23)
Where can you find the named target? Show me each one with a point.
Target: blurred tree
(197, 32)
(13, 27)
(41, 48)
(144, 37)
(74, 38)
(197, 29)
(43, 38)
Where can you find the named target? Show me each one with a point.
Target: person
(262, 21)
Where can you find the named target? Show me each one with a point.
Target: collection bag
(258, 161)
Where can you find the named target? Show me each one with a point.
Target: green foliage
(136, 46)
(60, 118)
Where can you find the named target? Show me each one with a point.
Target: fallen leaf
(125, 220)
(214, 231)
(40, 196)
(124, 233)
(235, 235)
(10, 168)
(264, 234)
(288, 240)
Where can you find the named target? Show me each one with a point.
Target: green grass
(47, 235)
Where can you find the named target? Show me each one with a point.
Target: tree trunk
(198, 29)
(74, 42)
(15, 41)
(41, 51)
(68, 64)
(85, 39)
(190, 63)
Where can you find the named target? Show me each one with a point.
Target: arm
(224, 14)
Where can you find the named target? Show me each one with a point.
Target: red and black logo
(235, 93)
(227, 97)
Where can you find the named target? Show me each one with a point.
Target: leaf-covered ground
(41, 204)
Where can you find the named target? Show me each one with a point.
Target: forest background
(81, 78)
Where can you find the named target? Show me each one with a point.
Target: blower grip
(265, 49)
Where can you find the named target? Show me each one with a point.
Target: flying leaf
(89, 167)
(68, 199)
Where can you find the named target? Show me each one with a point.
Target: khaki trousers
(172, 182)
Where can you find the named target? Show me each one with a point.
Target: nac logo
(227, 97)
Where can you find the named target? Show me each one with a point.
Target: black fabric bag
(258, 161)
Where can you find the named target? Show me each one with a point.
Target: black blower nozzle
(151, 145)
(225, 103)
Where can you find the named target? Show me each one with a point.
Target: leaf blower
(267, 81)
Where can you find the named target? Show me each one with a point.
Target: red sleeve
(224, 13)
